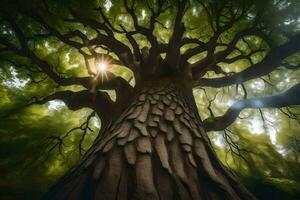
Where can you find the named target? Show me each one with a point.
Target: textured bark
(156, 149)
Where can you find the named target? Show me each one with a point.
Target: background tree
(135, 64)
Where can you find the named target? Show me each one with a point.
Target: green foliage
(264, 154)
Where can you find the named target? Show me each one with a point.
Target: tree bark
(156, 149)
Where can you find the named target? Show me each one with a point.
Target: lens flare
(101, 69)
(102, 66)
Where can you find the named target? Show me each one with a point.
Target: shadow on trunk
(156, 149)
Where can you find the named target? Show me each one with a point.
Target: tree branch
(85, 128)
(108, 82)
(201, 67)
(148, 32)
(98, 101)
(45, 67)
(273, 60)
(122, 51)
(288, 98)
(173, 52)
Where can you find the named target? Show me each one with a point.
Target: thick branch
(148, 32)
(288, 98)
(45, 67)
(121, 50)
(173, 53)
(108, 82)
(142, 30)
(267, 65)
(98, 101)
(199, 68)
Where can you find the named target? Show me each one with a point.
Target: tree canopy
(66, 67)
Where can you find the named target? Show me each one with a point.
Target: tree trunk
(156, 149)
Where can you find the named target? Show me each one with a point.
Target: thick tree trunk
(156, 149)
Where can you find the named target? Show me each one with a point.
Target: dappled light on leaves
(75, 73)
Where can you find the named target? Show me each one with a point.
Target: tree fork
(156, 149)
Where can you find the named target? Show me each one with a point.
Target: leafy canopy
(238, 54)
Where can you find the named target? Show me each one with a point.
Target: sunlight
(67, 57)
(258, 85)
(194, 11)
(143, 14)
(256, 126)
(14, 81)
(48, 46)
(55, 105)
(102, 66)
(219, 141)
(280, 149)
(272, 134)
(229, 102)
(107, 5)
(96, 122)
(150, 99)
(101, 69)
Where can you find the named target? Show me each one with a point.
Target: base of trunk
(155, 150)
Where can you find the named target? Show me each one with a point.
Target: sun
(101, 69)
(102, 66)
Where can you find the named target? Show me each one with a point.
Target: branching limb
(85, 128)
(140, 29)
(273, 60)
(66, 38)
(25, 51)
(122, 88)
(108, 82)
(202, 66)
(241, 57)
(290, 97)
(134, 44)
(99, 101)
(234, 146)
(210, 101)
(173, 53)
(146, 31)
(155, 14)
(290, 114)
(122, 51)
(53, 142)
(31, 71)
(234, 15)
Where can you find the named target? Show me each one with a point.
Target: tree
(152, 143)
